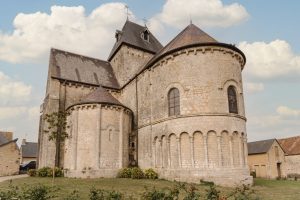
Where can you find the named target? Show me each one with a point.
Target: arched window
(146, 35)
(174, 102)
(232, 100)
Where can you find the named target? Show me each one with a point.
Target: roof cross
(127, 12)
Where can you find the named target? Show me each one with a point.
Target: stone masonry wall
(292, 164)
(9, 159)
(202, 76)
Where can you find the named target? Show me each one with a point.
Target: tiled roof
(131, 35)
(259, 147)
(29, 150)
(291, 146)
(74, 67)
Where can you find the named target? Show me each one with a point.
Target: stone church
(178, 109)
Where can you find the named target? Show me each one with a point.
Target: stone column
(179, 152)
(245, 151)
(192, 152)
(75, 138)
(231, 150)
(241, 150)
(160, 154)
(121, 143)
(97, 138)
(169, 153)
(219, 150)
(205, 150)
(154, 153)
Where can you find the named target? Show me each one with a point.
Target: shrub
(167, 194)
(73, 196)
(150, 174)
(212, 193)
(32, 172)
(124, 173)
(242, 193)
(43, 172)
(48, 172)
(97, 194)
(137, 173)
(38, 192)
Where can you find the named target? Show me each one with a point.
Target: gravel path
(5, 178)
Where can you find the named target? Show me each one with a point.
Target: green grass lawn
(266, 189)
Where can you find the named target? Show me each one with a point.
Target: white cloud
(287, 112)
(254, 87)
(11, 112)
(207, 13)
(12, 91)
(270, 60)
(66, 28)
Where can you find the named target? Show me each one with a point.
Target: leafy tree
(57, 132)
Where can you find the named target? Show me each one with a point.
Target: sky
(266, 31)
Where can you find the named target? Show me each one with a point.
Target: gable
(291, 146)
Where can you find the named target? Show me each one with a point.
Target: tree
(57, 132)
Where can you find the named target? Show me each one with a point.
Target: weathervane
(145, 21)
(127, 12)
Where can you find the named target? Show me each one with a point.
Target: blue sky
(267, 31)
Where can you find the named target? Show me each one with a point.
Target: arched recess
(225, 149)
(236, 150)
(186, 159)
(199, 154)
(157, 152)
(174, 155)
(164, 152)
(212, 145)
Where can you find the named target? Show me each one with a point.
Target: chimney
(23, 141)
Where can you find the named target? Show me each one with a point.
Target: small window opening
(146, 35)
(96, 78)
(78, 75)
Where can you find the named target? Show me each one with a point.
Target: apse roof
(100, 95)
(131, 35)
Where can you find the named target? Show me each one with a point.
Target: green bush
(212, 193)
(124, 173)
(243, 193)
(97, 194)
(73, 196)
(166, 194)
(43, 172)
(150, 174)
(137, 173)
(32, 172)
(48, 172)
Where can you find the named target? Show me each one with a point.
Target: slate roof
(100, 95)
(259, 147)
(89, 70)
(29, 150)
(291, 146)
(131, 35)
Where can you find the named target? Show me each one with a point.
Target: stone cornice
(194, 115)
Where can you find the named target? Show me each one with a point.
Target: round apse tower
(198, 125)
(98, 136)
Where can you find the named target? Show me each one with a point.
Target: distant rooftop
(291, 145)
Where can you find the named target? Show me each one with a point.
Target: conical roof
(190, 35)
(131, 35)
(100, 95)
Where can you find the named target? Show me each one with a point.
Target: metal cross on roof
(127, 12)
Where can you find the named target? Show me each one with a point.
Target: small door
(279, 170)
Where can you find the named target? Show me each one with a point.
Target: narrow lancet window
(174, 102)
(232, 100)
